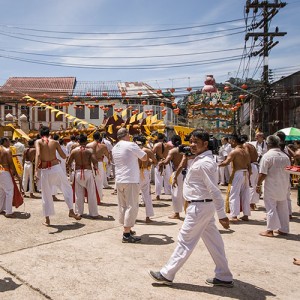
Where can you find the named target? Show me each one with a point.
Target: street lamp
(250, 102)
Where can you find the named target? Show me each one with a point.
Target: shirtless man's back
(161, 150)
(100, 150)
(52, 174)
(239, 191)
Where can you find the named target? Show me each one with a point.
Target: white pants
(128, 200)
(199, 223)
(28, 176)
(99, 177)
(277, 215)
(105, 182)
(254, 196)
(163, 180)
(221, 173)
(54, 176)
(145, 190)
(239, 194)
(85, 180)
(6, 192)
(177, 195)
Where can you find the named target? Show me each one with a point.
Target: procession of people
(192, 175)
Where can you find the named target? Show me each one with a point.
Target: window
(80, 112)
(58, 118)
(94, 112)
(41, 114)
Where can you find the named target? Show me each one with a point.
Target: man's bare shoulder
(91, 145)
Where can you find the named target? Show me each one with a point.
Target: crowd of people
(192, 175)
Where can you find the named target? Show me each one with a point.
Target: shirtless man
(161, 150)
(175, 156)
(145, 167)
(100, 150)
(84, 178)
(28, 168)
(239, 193)
(7, 168)
(254, 196)
(52, 174)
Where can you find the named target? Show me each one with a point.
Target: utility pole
(269, 10)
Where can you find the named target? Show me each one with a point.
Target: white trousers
(199, 223)
(177, 195)
(128, 200)
(277, 215)
(163, 180)
(221, 173)
(99, 177)
(6, 192)
(145, 191)
(254, 196)
(28, 176)
(85, 180)
(239, 194)
(54, 176)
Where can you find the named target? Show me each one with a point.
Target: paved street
(86, 259)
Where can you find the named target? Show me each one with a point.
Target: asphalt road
(86, 259)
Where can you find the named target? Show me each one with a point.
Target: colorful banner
(182, 132)
(17, 163)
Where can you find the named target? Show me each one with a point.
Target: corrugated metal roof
(96, 88)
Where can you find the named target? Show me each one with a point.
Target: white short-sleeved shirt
(201, 182)
(273, 164)
(126, 155)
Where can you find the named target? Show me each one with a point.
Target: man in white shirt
(272, 171)
(201, 191)
(260, 145)
(126, 155)
(224, 172)
(70, 144)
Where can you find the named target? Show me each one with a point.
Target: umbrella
(292, 133)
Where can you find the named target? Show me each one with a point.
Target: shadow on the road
(290, 237)
(108, 204)
(160, 205)
(241, 290)
(21, 215)
(296, 214)
(101, 218)
(226, 231)
(7, 284)
(251, 222)
(161, 223)
(294, 219)
(156, 239)
(61, 228)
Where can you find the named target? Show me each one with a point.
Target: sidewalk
(86, 259)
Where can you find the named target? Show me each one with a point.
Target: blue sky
(156, 22)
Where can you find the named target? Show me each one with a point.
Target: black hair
(141, 139)
(160, 136)
(238, 138)
(82, 138)
(44, 131)
(3, 140)
(176, 140)
(97, 136)
(61, 141)
(244, 137)
(31, 143)
(281, 135)
(200, 134)
(73, 138)
(55, 137)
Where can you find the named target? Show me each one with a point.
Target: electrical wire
(121, 46)
(124, 32)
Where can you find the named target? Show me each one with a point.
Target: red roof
(38, 85)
